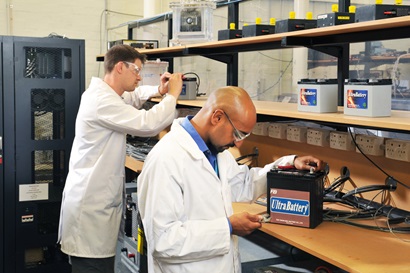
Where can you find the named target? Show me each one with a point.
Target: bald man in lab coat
(188, 184)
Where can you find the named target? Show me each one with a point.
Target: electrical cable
(337, 183)
(395, 74)
(370, 227)
(277, 82)
(366, 189)
(250, 157)
(366, 211)
(371, 161)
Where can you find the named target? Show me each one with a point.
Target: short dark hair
(120, 53)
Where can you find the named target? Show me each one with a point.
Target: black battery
(295, 197)
(257, 30)
(380, 11)
(288, 25)
(334, 19)
(227, 34)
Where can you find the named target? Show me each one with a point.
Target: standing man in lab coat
(188, 184)
(92, 205)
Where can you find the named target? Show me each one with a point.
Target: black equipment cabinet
(41, 84)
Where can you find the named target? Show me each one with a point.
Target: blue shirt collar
(187, 125)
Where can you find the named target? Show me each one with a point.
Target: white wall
(74, 19)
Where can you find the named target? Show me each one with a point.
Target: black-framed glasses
(136, 69)
(237, 135)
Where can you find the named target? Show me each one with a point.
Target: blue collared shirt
(187, 125)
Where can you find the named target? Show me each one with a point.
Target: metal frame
(230, 59)
(2, 164)
(336, 45)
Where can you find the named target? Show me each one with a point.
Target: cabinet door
(48, 82)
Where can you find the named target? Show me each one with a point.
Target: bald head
(212, 122)
(235, 101)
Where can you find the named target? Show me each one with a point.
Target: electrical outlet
(278, 130)
(261, 129)
(398, 149)
(341, 141)
(318, 137)
(370, 145)
(296, 133)
(27, 218)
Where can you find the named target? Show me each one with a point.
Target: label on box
(183, 92)
(308, 96)
(289, 207)
(343, 17)
(357, 99)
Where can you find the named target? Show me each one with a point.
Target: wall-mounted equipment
(192, 22)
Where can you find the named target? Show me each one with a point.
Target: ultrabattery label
(308, 96)
(289, 207)
(357, 99)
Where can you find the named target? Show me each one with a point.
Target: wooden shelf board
(354, 28)
(399, 120)
(350, 248)
(133, 164)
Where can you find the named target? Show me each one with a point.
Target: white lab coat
(92, 205)
(184, 205)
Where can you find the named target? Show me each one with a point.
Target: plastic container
(152, 72)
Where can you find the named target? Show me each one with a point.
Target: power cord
(389, 177)
(251, 157)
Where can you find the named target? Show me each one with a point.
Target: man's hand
(244, 223)
(307, 162)
(175, 85)
(163, 87)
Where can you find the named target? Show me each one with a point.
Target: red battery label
(290, 207)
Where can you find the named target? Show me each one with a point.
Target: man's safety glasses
(237, 135)
(136, 69)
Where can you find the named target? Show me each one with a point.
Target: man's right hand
(244, 223)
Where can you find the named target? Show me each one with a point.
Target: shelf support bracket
(340, 51)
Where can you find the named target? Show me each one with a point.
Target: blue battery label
(289, 206)
(183, 92)
(357, 99)
(308, 96)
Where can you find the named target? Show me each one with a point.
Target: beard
(219, 149)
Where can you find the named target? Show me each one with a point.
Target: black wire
(366, 189)
(377, 166)
(198, 82)
(361, 151)
(338, 182)
(245, 156)
(377, 228)
(362, 214)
